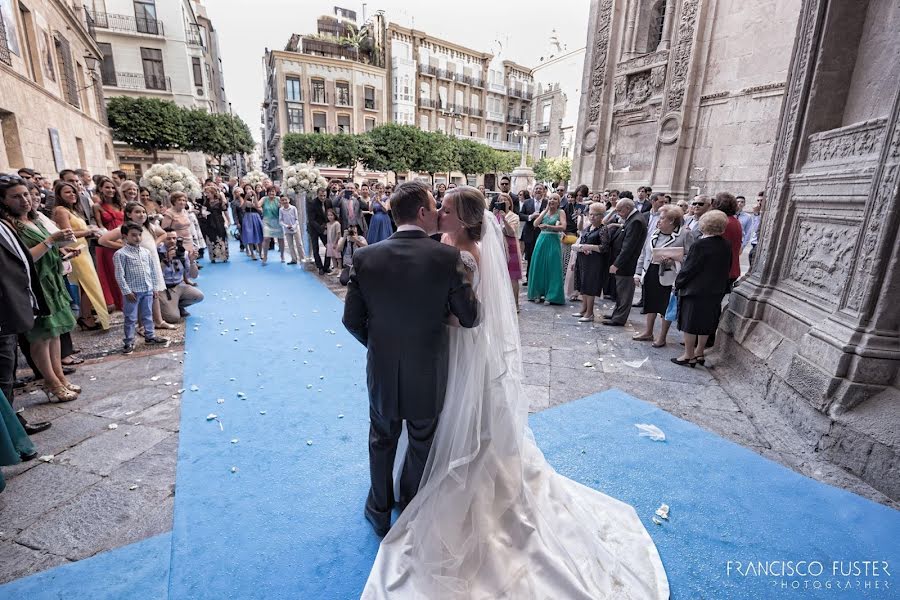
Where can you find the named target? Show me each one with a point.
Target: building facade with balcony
(321, 84)
(164, 49)
(52, 112)
(558, 77)
(438, 85)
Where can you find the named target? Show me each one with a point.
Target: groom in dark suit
(400, 294)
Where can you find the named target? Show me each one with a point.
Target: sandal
(60, 394)
(642, 338)
(164, 325)
(72, 387)
(72, 360)
(658, 344)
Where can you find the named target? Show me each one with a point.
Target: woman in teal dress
(545, 280)
(271, 225)
(15, 446)
(48, 262)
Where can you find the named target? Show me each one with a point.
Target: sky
(247, 27)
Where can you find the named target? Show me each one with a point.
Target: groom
(400, 294)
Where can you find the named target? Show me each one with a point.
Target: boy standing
(290, 224)
(137, 278)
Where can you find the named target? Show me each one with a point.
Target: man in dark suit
(316, 222)
(627, 249)
(20, 289)
(528, 212)
(352, 210)
(400, 294)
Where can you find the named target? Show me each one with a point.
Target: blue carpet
(288, 523)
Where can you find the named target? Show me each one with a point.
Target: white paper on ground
(652, 431)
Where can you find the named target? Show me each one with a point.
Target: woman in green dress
(48, 262)
(545, 280)
(271, 225)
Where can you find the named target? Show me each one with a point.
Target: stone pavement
(111, 480)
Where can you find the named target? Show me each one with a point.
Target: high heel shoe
(700, 360)
(164, 325)
(72, 387)
(85, 327)
(60, 394)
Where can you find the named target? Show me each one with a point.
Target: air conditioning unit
(199, 91)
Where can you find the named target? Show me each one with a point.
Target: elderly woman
(701, 284)
(657, 275)
(734, 234)
(591, 262)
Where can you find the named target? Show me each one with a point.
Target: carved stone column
(630, 22)
(597, 94)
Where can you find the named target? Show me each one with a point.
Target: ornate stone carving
(658, 77)
(763, 88)
(797, 76)
(645, 60)
(853, 141)
(590, 139)
(621, 88)
(639, 88)
(598, 60)
(669, 128)
(821, 256)
(681, 54)
(886, 190)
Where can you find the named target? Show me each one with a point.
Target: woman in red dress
(108, 212)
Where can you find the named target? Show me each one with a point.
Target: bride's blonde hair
(470, 205)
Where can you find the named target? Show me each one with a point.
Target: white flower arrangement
(254, 177)
(302, 178)
(161, 180)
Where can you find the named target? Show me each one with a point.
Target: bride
(492, 519)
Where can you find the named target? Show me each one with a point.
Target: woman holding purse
(658, 275)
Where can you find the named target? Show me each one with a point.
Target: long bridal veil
(492, 519)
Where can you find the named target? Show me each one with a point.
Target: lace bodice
(471, 266)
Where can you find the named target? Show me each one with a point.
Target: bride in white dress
(492, 519)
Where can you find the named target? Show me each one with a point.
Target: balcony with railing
(543, 127)
(445, 74)
(343, 98)
(139, 81)
(318, 96)
(429, 103)
(399, 61)
(476, 112)
(126, 23)
(369, 104)
(428, 70)
(514, 119)
(500, 145)
(520, 93)
(192, 35)
(493, 115)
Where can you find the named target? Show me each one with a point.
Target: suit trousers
(314, 243)
(383, 437)
(624, 298)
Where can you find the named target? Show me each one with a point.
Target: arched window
(655, 24)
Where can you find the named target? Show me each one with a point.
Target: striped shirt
(135, 272)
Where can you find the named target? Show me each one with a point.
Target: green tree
(302, 147)
(148, 124)
(239, 138)
(345, 150)
(438, 154)
(474, 158)
(393, 147)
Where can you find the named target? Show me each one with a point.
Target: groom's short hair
(406, 200)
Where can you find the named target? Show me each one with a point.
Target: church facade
(682, 95)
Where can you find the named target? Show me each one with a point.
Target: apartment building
(322, 83)
(164, 49)
(442, 86)
(558, 76)
(52, 112)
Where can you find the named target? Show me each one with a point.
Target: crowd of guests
(685, 256)
(75, 249)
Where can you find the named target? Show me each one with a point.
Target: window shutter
(4, 43)
(64, 56)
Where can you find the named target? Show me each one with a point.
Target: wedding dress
(492, 519)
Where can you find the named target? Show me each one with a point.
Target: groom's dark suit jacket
(400, 293)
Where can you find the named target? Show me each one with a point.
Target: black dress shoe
(613, 323)
(378, 524)
(607, 317)
(27, 457)
(33, 428)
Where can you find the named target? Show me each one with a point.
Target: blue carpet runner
(270, 491)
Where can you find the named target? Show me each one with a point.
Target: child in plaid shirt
(137, 278)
